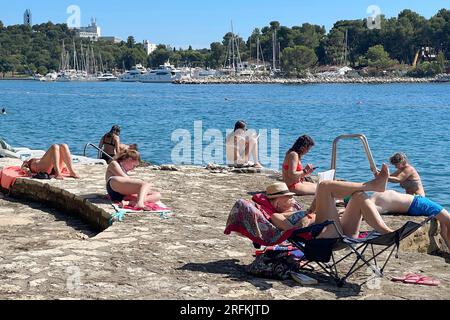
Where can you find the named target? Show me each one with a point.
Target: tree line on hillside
(396, 44)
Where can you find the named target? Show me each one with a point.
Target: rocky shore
(309, 80)
(49, 253)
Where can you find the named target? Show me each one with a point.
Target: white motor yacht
(107, 77)
(133, 75)
(166, 73)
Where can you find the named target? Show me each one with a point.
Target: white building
(149, 47)
(27, 18)
(92, 31)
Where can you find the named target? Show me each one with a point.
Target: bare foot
(59, 177)
(74, 175)
(258, 165)
(379, 184)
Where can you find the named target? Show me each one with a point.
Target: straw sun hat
(279, 189)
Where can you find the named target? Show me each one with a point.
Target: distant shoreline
(313, 80)
(267, 80)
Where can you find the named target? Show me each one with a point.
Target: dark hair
(133, 146)
(399, 158)
(302, 144)
(241, 124)
(128, 154)
(115, 130)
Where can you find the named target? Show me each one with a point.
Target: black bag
(274, 265)
(42, 176)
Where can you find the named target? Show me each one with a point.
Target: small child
(406, 175)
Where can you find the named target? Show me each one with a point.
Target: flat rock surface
(50, 255)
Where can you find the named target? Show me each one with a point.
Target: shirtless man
(392, 201)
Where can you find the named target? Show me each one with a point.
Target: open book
(327, 175)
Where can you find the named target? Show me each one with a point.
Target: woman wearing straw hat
(359, 207)
(283, 203)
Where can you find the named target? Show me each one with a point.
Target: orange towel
(9, 175)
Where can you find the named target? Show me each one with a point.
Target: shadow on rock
(237, 272)
(71, 221)
(232, 269)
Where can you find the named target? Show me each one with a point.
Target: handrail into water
(365, 144)
(100, 151)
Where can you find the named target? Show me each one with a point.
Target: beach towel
(245, 218)
(160, 209)
(8, 176)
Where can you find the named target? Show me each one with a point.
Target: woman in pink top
(293, 172)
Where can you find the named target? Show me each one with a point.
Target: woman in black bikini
(110, 143)
(119, 184)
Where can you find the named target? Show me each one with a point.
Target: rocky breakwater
(46, 254)
(308, 80)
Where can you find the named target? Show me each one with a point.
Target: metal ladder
(100, 151)
(365, 144)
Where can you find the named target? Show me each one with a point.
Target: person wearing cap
(110, 144)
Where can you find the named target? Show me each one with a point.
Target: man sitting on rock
(395, 202)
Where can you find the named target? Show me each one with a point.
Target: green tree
(217, 56)
(42, 70)
(295, 61)
(378, 58)
(159, 56)
(426, 69)
(131, 42)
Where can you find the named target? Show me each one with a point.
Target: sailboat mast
(257, 51)
(233, 57)
(346, 47)
(274, 58)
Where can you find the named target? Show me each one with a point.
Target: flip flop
(426, 281)
(303, 279)
(405, 277)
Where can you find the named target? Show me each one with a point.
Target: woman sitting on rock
(119, 185)
(286, 217)
(240, 146)
(294, 173)
(54, 161)
(110, 143)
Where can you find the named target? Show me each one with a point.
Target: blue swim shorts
(422, 206)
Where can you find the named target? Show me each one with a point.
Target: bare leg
(51, 160)
(66, 158)
(360, 206)
(247, 151)
(305, 189)
(341, 189)
(329, 190)
(127, 186)
(444, 221)
(254, 152)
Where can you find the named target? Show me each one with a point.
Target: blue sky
(199, 22)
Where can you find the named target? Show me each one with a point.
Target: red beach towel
(9, 175)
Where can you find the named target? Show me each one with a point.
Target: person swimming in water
(406, 175)
(3, 111)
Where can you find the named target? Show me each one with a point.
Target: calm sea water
(411, 118)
